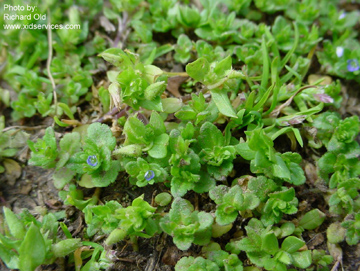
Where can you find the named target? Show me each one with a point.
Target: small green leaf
(102, 135)
(32, 250)
(198, 69)
(302, 259)
(115, 236)
(269, 243)
(132, 150)
(154, 90)
(222, 102)
(292, 244)
(15, 225)
(159, 148)
(312, 219)
(65, 247)
(62, 177)
(163, 199)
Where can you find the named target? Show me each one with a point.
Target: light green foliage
(223, 259)
(183, 49)
(141, 85)
(44, 151)
(10, 142)
(28, 243)
(230, 201)
(95, 158)
(198, 263)
(152, 137)
(101, 218)
(320, 258)
(262, 248)
(337, 54)
(264, 159)
(245, 111)
(216, 259)
(185, 164)
(138, 171)
(163, 199)
(346, 198)
(279, 203)
(75, 197)
(312, 219)
(198, 110)
(135, 220)
(215, 153)
(187, 226)
(218, 77)
(284, 36)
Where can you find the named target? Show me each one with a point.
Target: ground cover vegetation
(182, 135)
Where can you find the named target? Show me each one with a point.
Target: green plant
(279, 203)
(28, 243)
(187, 226)
(141, 85)
(352, 229)
(262, 248)
(135, 220)
(91, 158)
(230, 202)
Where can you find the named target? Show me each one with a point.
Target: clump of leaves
(136, 84)
(135, 220)
(230, 202)
(187, 226)
(215, 152)
(90, 158)
(352, 227)
(262, 248)
(28, 243)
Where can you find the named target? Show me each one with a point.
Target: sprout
(92, 160)
(149, 175)
(339, 51)
(352, 65)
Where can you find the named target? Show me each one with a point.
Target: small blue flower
(352, 65)
(92, 160)
(342, 16)
(149, 175)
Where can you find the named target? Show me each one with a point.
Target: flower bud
(154, 90)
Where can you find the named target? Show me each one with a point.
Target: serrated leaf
(102, 135)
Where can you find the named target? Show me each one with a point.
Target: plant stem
(134, 242)
(183, 74)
